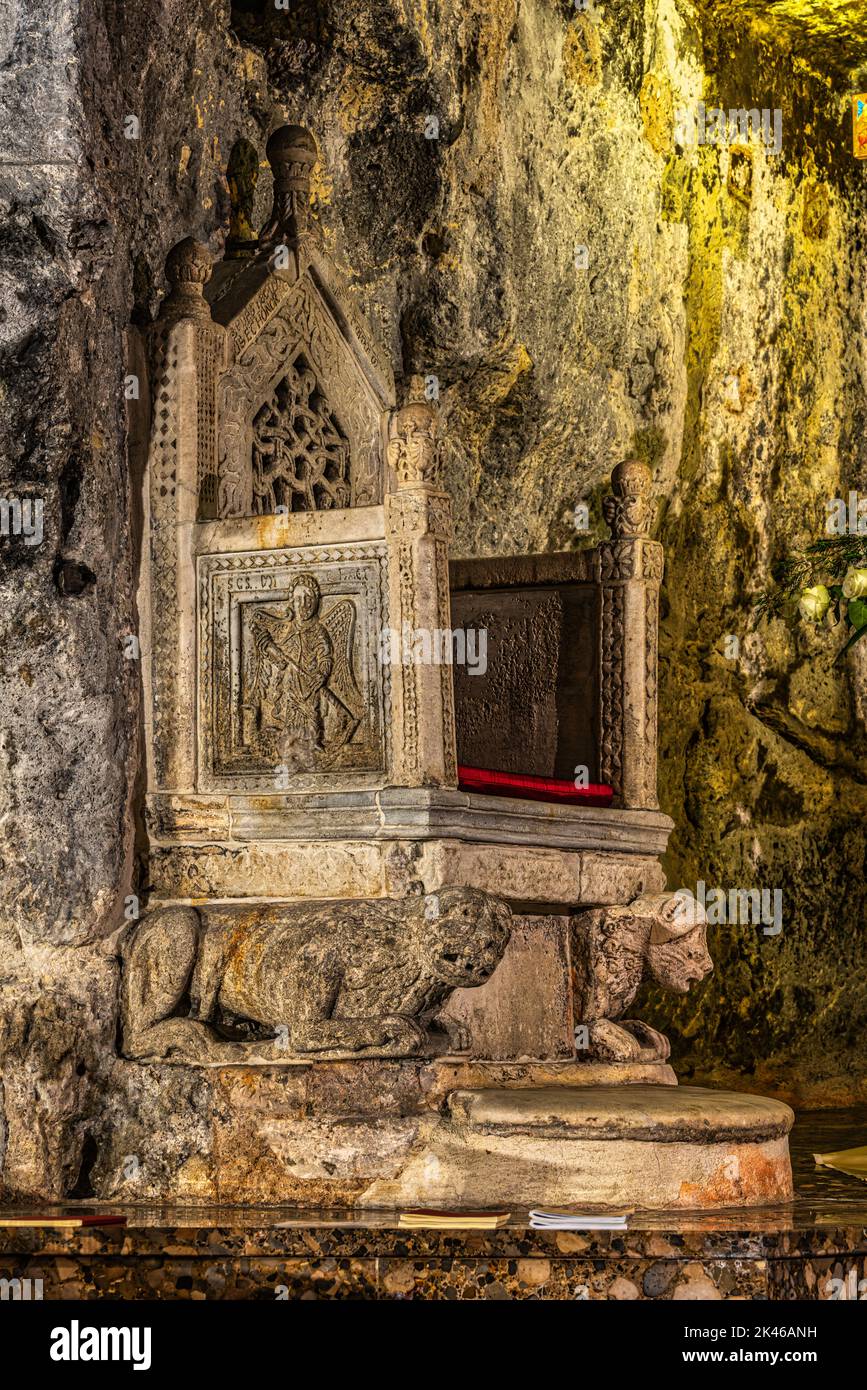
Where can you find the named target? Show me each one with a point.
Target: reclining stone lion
(357, 978)
(662, 936)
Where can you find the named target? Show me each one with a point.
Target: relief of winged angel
(301, 678)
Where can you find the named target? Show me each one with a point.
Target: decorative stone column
(629, 571)
(418, 529)
(187, 354)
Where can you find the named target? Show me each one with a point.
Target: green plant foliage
(799, 575)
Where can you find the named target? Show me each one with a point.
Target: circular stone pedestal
(622, 1146)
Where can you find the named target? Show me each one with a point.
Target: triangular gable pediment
(294, 386)
(244, 295)
(300, 385)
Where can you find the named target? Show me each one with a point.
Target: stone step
(671, 1114)
(651, 1147)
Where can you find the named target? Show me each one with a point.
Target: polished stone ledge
(808, 1249)
(405, 813)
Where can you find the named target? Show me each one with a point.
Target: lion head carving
(677, 953)
(464, 934)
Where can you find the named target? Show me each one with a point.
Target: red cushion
(528, 788)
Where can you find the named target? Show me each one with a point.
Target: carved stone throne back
(294, 521)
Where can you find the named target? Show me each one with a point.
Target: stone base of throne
(374, 844)
(442, 1133)
(654, 1147)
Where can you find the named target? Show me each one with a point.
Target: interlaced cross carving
(300, 456)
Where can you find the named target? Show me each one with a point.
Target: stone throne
(310, 849)
(277, 451)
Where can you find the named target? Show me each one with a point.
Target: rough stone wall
(763, 756)
(722, 342)
(87, 216)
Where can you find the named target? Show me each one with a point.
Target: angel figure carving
(301, 682)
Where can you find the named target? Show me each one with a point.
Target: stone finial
(628, 508)
(188, 270)
(412, 449)
(291, 153)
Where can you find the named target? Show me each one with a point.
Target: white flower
(855, 584)
(814, 603)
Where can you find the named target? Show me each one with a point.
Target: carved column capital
(413, 450)
(618, 562)
(410, 515)
(188, 270)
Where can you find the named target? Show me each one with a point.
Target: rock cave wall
(717, 332)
